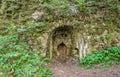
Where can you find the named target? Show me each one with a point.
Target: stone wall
(71, 38)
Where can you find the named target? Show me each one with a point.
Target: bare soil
(71, 69)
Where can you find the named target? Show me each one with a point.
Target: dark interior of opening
(62, 50)
(62, 30)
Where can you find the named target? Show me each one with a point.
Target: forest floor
(71, 69)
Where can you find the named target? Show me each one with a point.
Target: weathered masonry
(66, 41)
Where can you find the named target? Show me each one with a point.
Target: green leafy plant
(17, 59)
(105, 57)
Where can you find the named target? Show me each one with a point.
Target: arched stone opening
(65, 41)
(60, 41)
(61, 50)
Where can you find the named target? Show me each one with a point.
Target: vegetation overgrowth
(18, 59)
(104, 57)
(19, 31)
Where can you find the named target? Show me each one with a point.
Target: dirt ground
(71, 69)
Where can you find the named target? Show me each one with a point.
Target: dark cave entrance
(62, 50)
(60, 42)
(65, 42)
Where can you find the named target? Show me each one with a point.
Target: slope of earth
(70, 69)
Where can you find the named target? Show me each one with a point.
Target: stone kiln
(65, 41)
